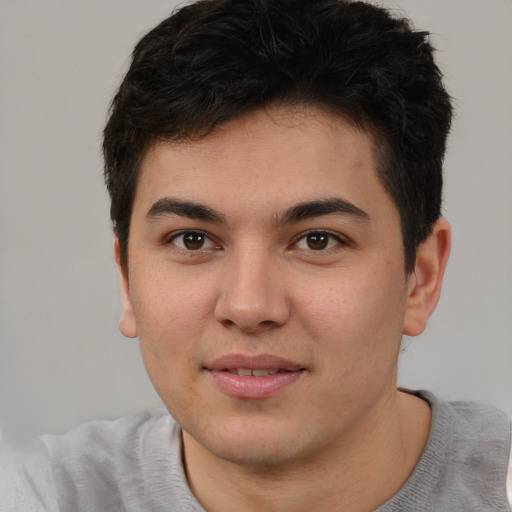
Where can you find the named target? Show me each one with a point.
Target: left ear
(426, 279)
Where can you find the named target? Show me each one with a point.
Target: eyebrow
(169, 206)
(311, 209)
(308, 209)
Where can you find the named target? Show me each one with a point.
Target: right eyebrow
(169, 206)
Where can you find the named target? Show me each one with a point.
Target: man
(275, 175)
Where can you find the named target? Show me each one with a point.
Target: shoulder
(465, 462)
(101, 450)
(476, 434)
(478, 452)
(120, 437)
(118, 464)
(26, 484)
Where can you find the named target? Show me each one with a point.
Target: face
(266, 284)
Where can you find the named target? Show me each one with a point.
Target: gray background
(62, 360)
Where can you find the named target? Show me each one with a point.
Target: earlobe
(127, 324)
(426, 280)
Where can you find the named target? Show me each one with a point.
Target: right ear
(127, 324)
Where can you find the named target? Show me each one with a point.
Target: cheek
(169, 301)
(168, 334)
(171, 317)
(357, 317)
(355, 326)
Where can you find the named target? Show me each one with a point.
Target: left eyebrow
(310, 209)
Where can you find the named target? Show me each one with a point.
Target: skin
(340, 437)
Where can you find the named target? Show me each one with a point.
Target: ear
(127, 324)
(425, 281)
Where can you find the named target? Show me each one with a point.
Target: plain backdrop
(62, 360)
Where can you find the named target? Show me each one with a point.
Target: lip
(253, 387)
(256, 362)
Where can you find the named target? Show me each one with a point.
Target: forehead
(265, 159)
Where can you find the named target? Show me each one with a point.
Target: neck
(357, 474)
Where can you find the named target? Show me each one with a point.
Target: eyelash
(206, 238)
(330, 237)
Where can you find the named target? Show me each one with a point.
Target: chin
(254, 445)
(256, 454)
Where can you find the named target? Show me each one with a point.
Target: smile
(253, 377)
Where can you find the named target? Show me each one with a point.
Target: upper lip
(254, 362)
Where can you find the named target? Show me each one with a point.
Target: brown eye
(317, 241)
(192, 241)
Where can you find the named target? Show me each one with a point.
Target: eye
(318, 241)
(192, 241)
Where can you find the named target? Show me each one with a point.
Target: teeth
(247, 372)
(260, 373)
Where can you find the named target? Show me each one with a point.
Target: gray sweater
(134, 464)
(464, 464)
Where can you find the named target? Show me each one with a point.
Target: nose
(252, 295)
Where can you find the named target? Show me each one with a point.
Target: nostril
(251, 312)
(251, 328)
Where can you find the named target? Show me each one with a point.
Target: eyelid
(169, 239)
(340, 239)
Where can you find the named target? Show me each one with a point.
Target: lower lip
(254, 387)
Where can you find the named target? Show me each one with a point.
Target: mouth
(253, 377)
(255, 365)
(253, 372)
